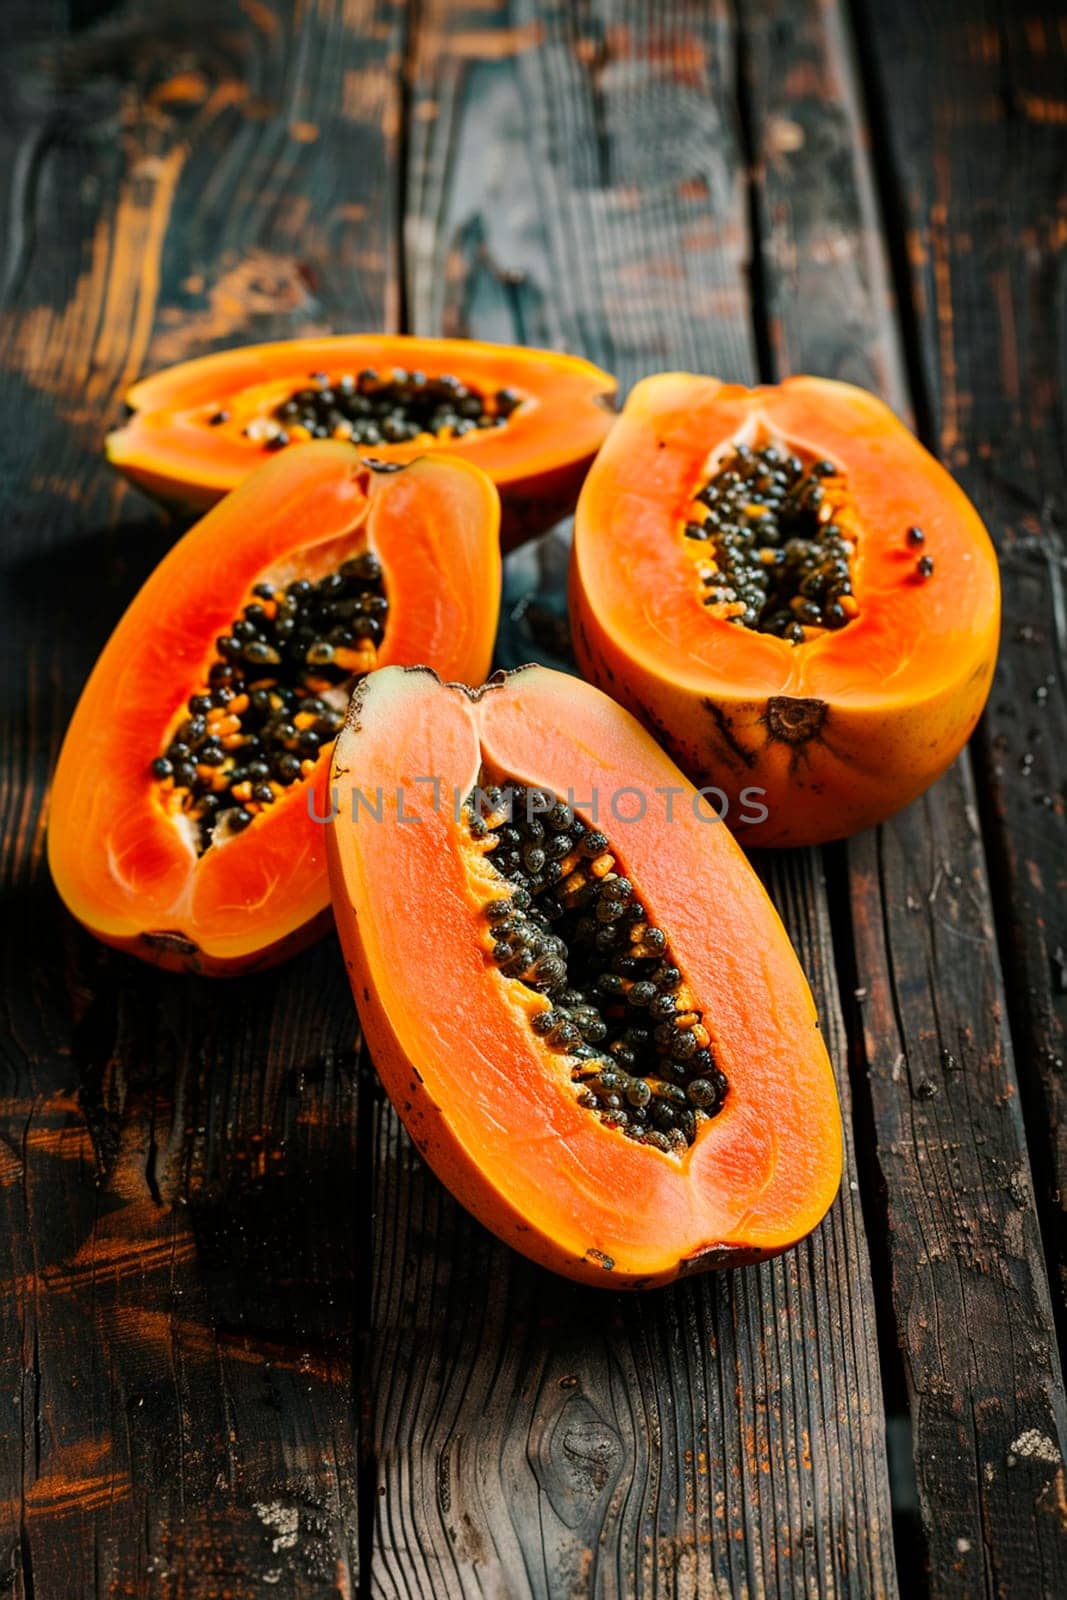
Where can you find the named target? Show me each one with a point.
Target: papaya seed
(396, 407)
(249, 732)
(589, 948)
(781, 564)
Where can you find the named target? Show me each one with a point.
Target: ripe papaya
(583, 1004)
(183, 824)
(532, 419)
(791, 593)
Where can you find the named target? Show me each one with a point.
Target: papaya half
(791, 593)
(574, 987)
(532, 419)
(183, 814)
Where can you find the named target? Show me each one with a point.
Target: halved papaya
(581, 1000)
(791, 593)
(532, 419)
(183, 824)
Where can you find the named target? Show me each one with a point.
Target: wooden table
(248, 1346)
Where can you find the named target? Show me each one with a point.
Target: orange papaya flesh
(532, 419)
(129, 849)
(503, 1107)
(829, 693)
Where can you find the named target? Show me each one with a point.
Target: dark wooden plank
(178, 1215)
(824, 272)
(576, 178)
(979, 146)
(968, 1281)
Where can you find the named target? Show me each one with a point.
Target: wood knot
(578, 1458)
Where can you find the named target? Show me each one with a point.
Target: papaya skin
(124, 867)
(489, 1106)
(170, 448)
(850, 726)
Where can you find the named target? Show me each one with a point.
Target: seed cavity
(772, 553)
(377, 408)
(570, 926)
(275, 695)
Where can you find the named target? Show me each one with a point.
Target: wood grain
(178, 1212)
(969, 1291)
(208, 1384)
(980, 148)
(576, 178)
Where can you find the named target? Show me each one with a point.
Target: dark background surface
(248, 1345)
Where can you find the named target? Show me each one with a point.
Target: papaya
(532, 419)
(574, 987)
(184, 826)
(791, 593)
